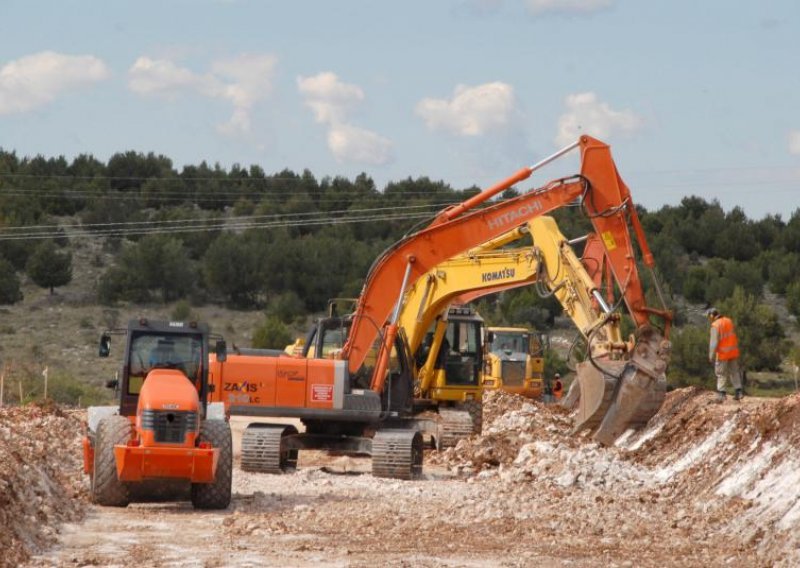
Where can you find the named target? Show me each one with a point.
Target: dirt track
(703, 485)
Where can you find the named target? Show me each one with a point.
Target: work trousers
(728, 371)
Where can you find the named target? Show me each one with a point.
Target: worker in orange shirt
(558, 387)
(723, 351)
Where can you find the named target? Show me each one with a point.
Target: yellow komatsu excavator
(551, 265)
(447, 338)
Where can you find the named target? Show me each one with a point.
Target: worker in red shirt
(723, 352)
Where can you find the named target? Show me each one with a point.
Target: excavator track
(475, 409)
(397, 454)
(454, 425)
(264, 449)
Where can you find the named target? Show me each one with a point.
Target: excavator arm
(552, 266)
(622, 383)
(605, 199)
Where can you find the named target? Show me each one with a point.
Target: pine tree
(48, 267)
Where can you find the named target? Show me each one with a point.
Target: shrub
(272, 334)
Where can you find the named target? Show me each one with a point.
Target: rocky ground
(702, 485)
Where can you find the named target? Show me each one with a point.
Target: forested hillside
(286, 242)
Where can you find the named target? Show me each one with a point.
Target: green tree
(48, 267)
(689, 363)
(233, 267)
(286, 306)
(793, 298)
(272, 334)
(157, 264)
(554, 363)
(10, 292)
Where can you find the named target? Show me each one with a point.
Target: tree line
(287, 242)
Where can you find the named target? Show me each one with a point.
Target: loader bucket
(628, 394)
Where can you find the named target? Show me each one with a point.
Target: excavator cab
(325, 340)
(464, 342)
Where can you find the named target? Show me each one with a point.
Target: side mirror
(221, 350)
(112, 384)
(105, 345)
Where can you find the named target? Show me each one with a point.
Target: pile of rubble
(732, 470)
(513, 427)
(41, 481)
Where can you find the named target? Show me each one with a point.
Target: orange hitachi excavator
(361, 402)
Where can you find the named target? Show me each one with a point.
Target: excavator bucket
(618, 395)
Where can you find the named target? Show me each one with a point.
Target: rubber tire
(475, 409)
(107, 489)
(217, 494)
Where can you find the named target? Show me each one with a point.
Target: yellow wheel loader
(514, 361)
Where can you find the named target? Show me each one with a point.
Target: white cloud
(587, 115)
(243, 81)
(567, 7)
(472, 111)
(332, 102)
(252, 77)
(160, 77)
(352, 144)
(794, 142)
(35, 80)
(329, 98)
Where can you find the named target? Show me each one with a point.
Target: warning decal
(608, 239)
(321, 393)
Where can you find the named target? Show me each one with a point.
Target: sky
(695, 98)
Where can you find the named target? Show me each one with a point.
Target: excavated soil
(40, 485)
(702, 485)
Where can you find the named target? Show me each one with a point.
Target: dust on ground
(701, 485)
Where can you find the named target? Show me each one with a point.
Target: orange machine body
(167, 422)
(168, 405)
(251, 384)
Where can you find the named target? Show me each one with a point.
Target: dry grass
(61, 332)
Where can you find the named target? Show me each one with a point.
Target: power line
(203, 196)
(225, 176)
(131, 231)
(228, 220)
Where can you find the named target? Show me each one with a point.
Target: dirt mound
(511, 422)
(730, 470)
(41, 482)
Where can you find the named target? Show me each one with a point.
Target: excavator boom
(460, 228)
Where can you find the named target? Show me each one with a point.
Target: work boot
(720, 397)
(739, 394)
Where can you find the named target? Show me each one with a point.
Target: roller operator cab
(514, 361)
(163, 438)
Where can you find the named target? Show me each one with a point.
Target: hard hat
(558, 376)
(711, 313)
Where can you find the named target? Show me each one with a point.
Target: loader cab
(503, 342)
(183, 346)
